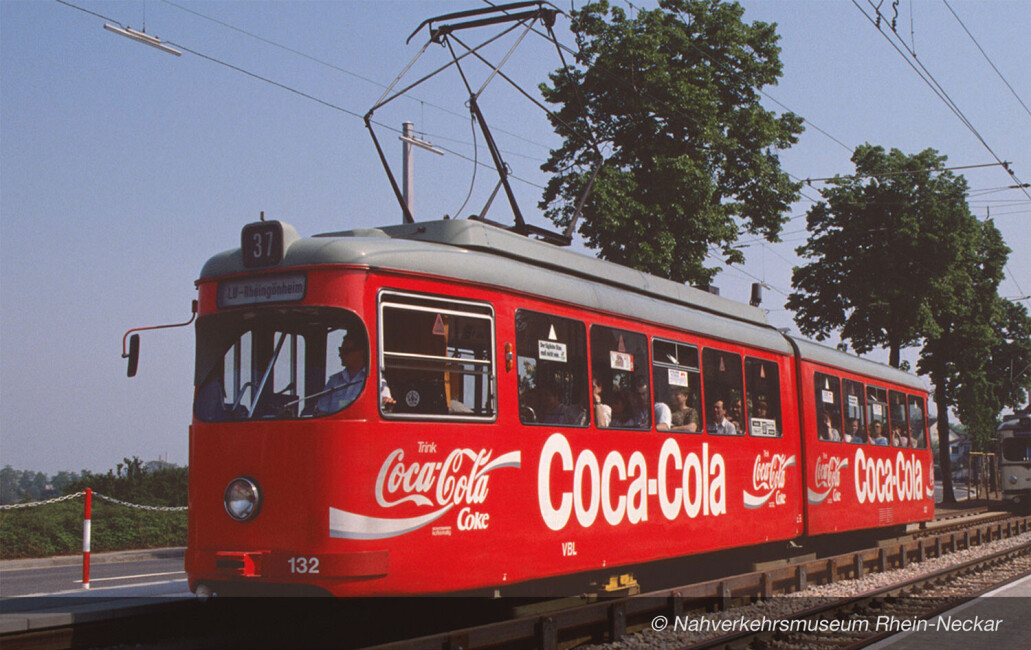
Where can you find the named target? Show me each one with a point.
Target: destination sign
(254, 291)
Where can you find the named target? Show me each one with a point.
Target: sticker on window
(853, 401)
(551, 351)
(621, 361)
(438, 327)
(828, 396)
(764, 427)
(677, 377)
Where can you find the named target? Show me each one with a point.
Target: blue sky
(123, 168)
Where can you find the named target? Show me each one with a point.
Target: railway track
(613, 620)
(327, 623)
(872, 616)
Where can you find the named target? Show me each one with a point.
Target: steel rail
(609, 620)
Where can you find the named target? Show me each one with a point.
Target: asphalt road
(143, 575)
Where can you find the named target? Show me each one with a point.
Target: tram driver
(343, 387)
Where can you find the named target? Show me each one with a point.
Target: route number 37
(305, 565)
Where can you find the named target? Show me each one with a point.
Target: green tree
(957, 349)
(896, 259)
(881, 243)
(690, 156)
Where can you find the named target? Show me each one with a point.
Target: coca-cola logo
(828, 471)
(827, 477)
(459, 480)
(769, 476)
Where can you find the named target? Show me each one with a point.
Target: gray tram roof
(483, 253)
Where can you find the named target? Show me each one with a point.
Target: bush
(56, 528)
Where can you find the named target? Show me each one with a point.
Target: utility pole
(408, 143)
(407, 178)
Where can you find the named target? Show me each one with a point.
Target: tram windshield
(1016, 450)
(279, 363)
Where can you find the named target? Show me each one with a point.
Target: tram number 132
(305, 565)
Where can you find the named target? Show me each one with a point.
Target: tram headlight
(242, 499)
(1013, 480)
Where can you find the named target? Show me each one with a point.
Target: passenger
(853, 434)
(639, 400)
(602, 411)
(683, 417)
(877, 434)
(898, 438)
(736, 416)
(663, 417)
(719, 424)
(343, 387)
(622, 416)
(554, 410)
(825, 428)
(761, 409)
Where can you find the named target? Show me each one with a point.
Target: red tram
(449, 406)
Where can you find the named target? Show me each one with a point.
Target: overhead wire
(929, 79)
(346, 111)
(986, 57)
(295, 91)
(333, 66)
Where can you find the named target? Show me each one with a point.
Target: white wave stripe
(348, 525)
(815, 497)
(511, 459)
(752, 502)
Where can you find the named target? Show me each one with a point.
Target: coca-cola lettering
(769, 475)
(460, 480)
(828, 471)
(878, 480)
(620, 488)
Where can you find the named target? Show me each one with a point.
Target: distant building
(959, 446)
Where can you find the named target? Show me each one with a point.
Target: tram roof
(482, 253)
(831, 357)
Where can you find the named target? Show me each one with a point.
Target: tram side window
(437, 357)
(551, 358)
(762, 386)
(877, 415)
(917, 428)
(278, 363)
(854, 404)
(899, 426)
(724, 392)
(677, 384)
(619, 368)
(828, 407)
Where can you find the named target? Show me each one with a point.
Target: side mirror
(134, 355)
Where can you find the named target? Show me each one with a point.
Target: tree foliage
(883, 244)
(897, 259)
(690, 156)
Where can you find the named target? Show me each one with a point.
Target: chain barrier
(139, 507)
(33, 504)
(67, 497)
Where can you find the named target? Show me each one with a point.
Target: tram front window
(279, 363)
(1016, 450)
